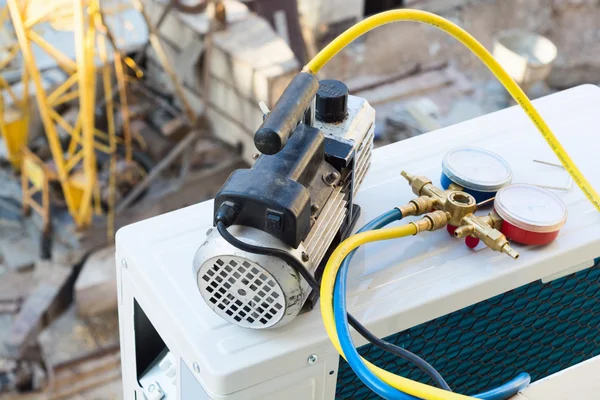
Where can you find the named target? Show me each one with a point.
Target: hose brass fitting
(492, 219)
(484, 228)
(418, 206)
(431, 222)
(408, 210)
(453, 186)
(458, 204)
(453, 207)
(417, 183)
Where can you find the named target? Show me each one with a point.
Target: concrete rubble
(248, 63)
(55, 313)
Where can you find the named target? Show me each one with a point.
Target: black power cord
(298, 266)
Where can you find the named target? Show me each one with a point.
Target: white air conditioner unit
(478, 316)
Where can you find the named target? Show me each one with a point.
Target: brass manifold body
(456, 208)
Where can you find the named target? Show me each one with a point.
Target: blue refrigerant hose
(384, 390)
(364, 374)
(508, 390)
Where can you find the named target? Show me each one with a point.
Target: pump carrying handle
(279, 124)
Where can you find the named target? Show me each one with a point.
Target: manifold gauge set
(530, 214)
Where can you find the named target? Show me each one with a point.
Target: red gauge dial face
(532, 215)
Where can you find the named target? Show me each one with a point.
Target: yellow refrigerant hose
(417, 389)
(484, 55)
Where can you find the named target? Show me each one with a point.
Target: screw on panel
(312, 359)
(151, 388)
(314, 208)
(255, 156)
(196, 368)
(304, 256)
(124, 263)
(331, 178)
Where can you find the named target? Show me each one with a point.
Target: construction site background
(187, 79)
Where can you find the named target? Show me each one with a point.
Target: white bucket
(526, 56)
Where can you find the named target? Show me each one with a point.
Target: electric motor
(297, 197)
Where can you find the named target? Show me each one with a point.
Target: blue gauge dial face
(476, 169)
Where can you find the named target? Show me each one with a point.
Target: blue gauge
(479, 172)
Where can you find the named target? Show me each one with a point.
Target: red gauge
(532, 215)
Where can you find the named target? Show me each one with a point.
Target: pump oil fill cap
(476, 169)
(532, 215)
(331, 101)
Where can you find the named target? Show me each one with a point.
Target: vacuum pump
(297, 198)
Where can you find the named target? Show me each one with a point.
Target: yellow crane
(75, 169)
(14, 116)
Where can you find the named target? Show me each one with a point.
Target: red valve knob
(451, 229)
(471, 242)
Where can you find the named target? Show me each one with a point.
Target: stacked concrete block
(318, 15)
(248, 63)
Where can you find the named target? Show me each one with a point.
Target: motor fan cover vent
(241, 292)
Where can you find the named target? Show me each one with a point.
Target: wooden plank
(19, 253)
(111, 390)
(14, 286)
(197, 186)
(207, 152)
(45, 301)
(69, 375)
(195, 99)
(97, 379)
(370, 81)
(105, 387)
(76, 349)
(176, 128)
(96, 285)
(81, 352)
(415, 85)
(25, 396)
(158, 169)
(10, 307)
(157, 145)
